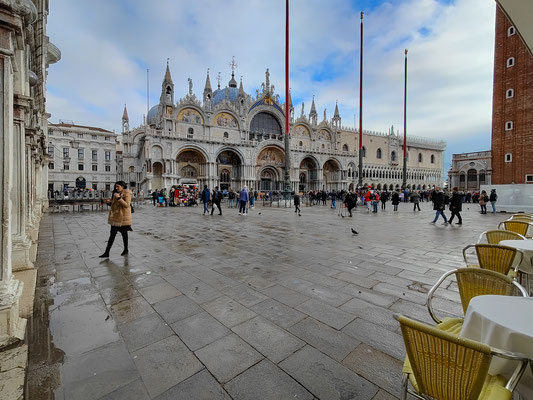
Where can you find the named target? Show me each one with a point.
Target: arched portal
(269, 179)
(191, 167)
(332, 175)
(230, 162)
(157, 181)
(471, 178)
(269, 168)
(309, 168)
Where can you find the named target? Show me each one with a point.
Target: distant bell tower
(167, 89)
(125, 120)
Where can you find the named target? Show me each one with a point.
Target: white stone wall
(88, 139)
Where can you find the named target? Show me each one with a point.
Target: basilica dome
(220, 94)
(151, 118)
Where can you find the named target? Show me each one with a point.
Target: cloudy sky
(107, 46)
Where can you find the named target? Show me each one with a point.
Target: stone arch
(378, 187)
(391, 187)
(230, 160)
(192, 146)
(332, 174)
(309, 167)
(268, 110)
(471, 178)
(345, 148)
(191, 166)
(157, 180)
(268, 178)
(379, 154)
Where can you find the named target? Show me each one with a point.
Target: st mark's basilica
(231, 139)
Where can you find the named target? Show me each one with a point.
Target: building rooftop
(91, 128)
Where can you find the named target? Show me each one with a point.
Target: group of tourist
(245, 199)
(177, 196)
(441, 199)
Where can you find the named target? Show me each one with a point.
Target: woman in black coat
(456, 205)
(395, 200)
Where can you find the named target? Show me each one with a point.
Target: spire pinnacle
(336, 114)
(313, 108)
(241, 88)
(125, 114)
(290, 98)
(168, 78)
(207, 82)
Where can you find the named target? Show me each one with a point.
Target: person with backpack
(216, 199)
(205, 199)
(231, 198)
(493, 198)
(415, 198)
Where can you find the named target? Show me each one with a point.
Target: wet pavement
(271, 305)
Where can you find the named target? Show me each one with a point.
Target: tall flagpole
(147, 93)
(404, 183)
(287, 188)
(360, 183)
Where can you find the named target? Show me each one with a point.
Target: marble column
(20, 241)
(12, 327)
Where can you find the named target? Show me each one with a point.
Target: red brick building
(512, 106)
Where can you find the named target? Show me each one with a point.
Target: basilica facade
(230, 139)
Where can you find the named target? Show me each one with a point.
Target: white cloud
(107, 45)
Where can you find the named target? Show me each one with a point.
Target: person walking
(216, 199)
(483, 199)
(297, 202)
(243, 199)
(205, 199)
(231, 198)
(333, 199)
(154, 197)
(350, 201)
(119, 217)
(415, 198)
(438, 205)
(395, 199)
(493, 198)
(456, 206)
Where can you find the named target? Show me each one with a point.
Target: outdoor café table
(526, 247)
(504, 322)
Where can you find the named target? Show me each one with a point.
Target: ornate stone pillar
(20, 241)
(12, 327)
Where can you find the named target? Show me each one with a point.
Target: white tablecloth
(504, 322)
(526, 246)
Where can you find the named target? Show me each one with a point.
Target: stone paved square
(226, 307)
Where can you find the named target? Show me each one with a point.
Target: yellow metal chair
(443, 366)
(502, 259)
(520, 227)
(472, 282)
(496, 236)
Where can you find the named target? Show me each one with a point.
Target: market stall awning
(520, 13)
